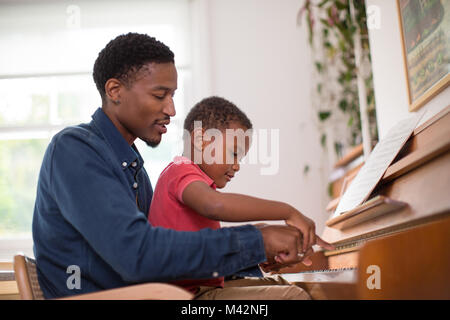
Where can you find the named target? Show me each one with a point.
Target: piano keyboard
(355, 243)
(344, 275)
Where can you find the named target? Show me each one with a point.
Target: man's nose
(169, 107)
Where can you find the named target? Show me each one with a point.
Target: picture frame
(425, 36)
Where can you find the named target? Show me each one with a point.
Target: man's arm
(96, 203)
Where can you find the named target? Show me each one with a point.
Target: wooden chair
(29, 289)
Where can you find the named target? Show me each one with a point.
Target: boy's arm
(232, 207)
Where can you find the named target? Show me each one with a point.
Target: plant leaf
(324, 115)
(325, 22)
(350, 121)
(305, 169)
(323, 140)
(343, 104)
(324, 2)
(340, 5)
(330, 189)
(338, 148)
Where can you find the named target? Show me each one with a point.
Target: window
(47, 52)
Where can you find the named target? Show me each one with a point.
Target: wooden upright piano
(403, 254)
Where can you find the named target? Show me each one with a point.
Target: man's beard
(152, 143)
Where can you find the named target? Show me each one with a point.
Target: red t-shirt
(168, 210)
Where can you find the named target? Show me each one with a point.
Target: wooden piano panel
(413, 264)
(411, 246)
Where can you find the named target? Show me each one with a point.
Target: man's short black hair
(127, 54)
(215, 112)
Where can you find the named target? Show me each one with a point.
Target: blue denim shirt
(91, 210)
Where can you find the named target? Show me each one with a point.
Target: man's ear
(113, 89)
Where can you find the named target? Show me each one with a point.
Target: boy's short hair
(125, 55)
(215, 112)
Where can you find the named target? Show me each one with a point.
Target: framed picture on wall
(425, 32)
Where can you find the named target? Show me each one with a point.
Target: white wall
(260, 60)
(391, 93)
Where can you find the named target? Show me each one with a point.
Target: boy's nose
(236, 167)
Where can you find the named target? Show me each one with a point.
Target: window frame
(197, 66)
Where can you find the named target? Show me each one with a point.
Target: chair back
(26, 278)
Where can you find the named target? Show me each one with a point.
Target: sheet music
(376, 165)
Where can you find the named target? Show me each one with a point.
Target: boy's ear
(197, 139)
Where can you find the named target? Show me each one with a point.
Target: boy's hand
(306, 227)
(308, 230)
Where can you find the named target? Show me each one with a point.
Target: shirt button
(215, 274)
(134, 164)
(124, 164)
(135, 185)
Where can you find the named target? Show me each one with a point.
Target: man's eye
(159, 97)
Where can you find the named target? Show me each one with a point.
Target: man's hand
(279, 264)
(281, 240)
(283, 246)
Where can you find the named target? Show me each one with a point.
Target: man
(94, 193)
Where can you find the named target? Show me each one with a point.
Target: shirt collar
(125, 153)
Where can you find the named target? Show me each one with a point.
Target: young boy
(185, 196)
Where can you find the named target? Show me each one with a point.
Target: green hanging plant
(331, 32)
